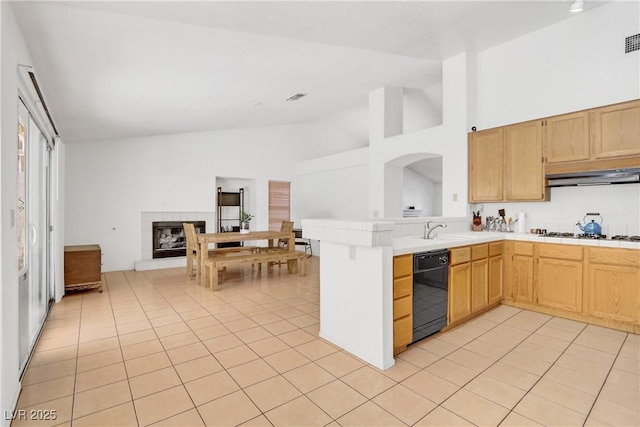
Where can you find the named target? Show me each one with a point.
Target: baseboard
(159, 263)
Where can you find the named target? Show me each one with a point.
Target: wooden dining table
(205, 239)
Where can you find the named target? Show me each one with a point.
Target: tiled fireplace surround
(147, 218)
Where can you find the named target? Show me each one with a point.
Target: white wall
(359, 316)
(422, 108)
(448, 140)
(573, 65)
(419, 192)
(109, 183)
(335, 186)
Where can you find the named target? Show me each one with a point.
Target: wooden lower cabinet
(475, 279)
(591, 284)
(479, 284)
(496, 272)
(459, 292)
(402, 302)
(559, 284)
(613, 283)
(519, 268)
(559, 276)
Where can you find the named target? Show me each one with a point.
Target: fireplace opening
(169, 239)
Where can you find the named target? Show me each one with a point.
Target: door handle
(34, 234)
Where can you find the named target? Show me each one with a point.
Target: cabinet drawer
(496, 248)
(402, 307)
(402, 265)
(612, 256)
(459, 255)
(479, 252)
(522, 248)
(402, 331)
(568, 252)
(402, 287)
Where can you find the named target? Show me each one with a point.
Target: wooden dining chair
(282, 245)
(193, 253)
(286, 226)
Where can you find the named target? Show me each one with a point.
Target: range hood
(602, 177)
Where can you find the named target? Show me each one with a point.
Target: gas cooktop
(568, 235)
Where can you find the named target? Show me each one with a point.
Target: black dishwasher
(430, 283)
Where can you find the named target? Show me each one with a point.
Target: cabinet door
(616, 130)
(614, 292)
(566, 138)
(524, 178)
(496, 267)
(402, 334)
(559, 284)
(459, 292)
(522, 278)
(479, 285)
(485, 166)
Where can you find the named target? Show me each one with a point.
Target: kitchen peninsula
(595, 281)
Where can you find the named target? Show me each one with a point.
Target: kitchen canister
(521, 222)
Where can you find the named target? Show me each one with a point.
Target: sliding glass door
(33, 231)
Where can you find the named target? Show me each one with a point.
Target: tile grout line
(213, 355)
(498, 360)
(451, 352)
(481, 372)
(135, 412)
(604, 382)
(162, 292)
(165, 352)
(111, 364)
(545, 372)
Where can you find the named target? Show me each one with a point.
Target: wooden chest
(82, 267)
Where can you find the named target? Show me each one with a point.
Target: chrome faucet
(428, 229)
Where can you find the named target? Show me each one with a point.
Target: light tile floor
(157, 349)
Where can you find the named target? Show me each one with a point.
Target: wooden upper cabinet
(523, 177)
(566, 137)
(615, 130)
(485, 166)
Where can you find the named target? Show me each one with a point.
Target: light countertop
(412, 244)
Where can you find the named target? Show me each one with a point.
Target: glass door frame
(35, 293)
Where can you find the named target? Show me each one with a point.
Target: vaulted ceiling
(115, 69)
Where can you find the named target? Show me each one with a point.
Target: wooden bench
(226, 251)
(217, 263)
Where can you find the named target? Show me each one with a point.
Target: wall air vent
(296, 97)
(632, 43)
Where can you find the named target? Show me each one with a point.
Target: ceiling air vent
(296, 97)
(632, 43)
